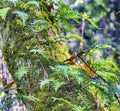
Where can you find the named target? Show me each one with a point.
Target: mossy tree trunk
(20, 39)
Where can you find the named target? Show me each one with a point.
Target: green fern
(67, 13)
(13, 1)
(45, 54)
(23, 16)
(74, 107)
(44, 82)
(57, 84)
(36, 3)
(31, 98)
(86, 17)
(64, 69)
(67, 24)
(39, 25)
(74, 37)
(3, 12)
(56, 2)
(78, 108)
(21, 72)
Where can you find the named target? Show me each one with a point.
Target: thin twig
(83, 27)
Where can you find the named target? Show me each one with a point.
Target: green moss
(17, 55)
(79, 97)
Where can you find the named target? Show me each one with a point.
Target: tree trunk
(19, 46)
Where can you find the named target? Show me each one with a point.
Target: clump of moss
(80, 97)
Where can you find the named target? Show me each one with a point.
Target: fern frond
(39, 25)
(23, 16)
(68, 13)
(32, 98)
(78, 108)
(3, 12)
(74, 107)
(86, 17)
(13, 1)
(36, 3)
(67, 24)
(57, 84)
(44, 82)
(45, 54)
(56, 2)
(21, 72)
(74, 37)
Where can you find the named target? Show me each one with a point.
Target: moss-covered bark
(19, 40)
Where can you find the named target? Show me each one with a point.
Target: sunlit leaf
(75, 37)
(109, 76)
(86, 67)
(3, 12)
(104, 46)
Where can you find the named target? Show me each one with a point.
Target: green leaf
(39, 21)
(36, 3)
(103, 46)
(32, 98)
(79, 78)
(78, 108)
(39, 25)
(44, 82)
(21, 72)
(74, 107)
(66, 12)
(23, 16)
(13, 1)
(57, 84)
(64, 68)
(56, 2)
(45, 54)
(75, 37)
(52, 68)
(86, 17)
(67, 24)
(3, 12)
